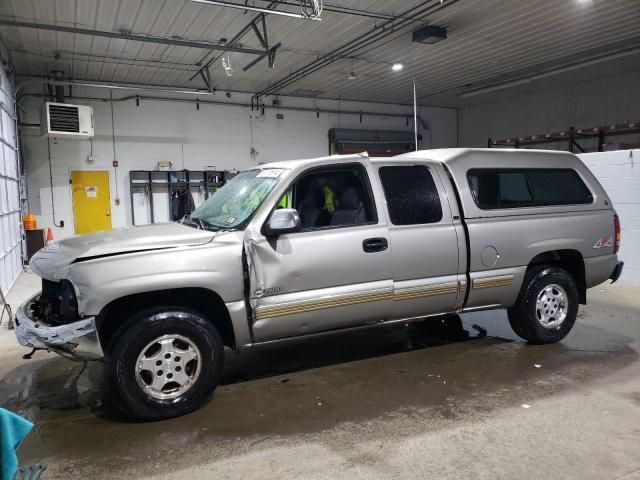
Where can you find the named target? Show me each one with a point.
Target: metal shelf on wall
(571, 136)
(148, 182)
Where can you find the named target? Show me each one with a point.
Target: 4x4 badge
(605, 241)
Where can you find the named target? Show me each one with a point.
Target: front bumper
(75, 341)
(615, 275)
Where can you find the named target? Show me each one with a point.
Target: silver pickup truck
(306, 247)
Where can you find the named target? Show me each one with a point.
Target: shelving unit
(158, 187)
(571, 135)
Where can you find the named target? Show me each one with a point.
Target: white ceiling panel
(489, 42)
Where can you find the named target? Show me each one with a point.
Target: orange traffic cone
(49, 235)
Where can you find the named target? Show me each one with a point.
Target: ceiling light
(396, 67)
(352, 75)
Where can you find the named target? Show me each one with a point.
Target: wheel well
(202, 300)
(569, 260)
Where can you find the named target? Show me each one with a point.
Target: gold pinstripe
(419, 292)
(342, 301)
(312, 305)
(493, 282)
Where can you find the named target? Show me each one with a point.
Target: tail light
(616, 224)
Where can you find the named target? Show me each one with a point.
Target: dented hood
(50, 262)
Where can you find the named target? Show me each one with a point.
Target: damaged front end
(50, 321)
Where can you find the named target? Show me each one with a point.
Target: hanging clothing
(181, 204)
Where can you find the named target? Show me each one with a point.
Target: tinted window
(333, 197)
(557, 188)
(513, 188)
(412, 196)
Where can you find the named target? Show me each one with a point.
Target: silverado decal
(605, 241)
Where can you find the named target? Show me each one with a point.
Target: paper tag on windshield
(230, 220)
(269, 173)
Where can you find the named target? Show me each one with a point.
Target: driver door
(333, 273)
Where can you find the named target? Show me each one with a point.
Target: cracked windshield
(236, 201)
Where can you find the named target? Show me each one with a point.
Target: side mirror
(283, 220)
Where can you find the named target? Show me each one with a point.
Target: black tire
(130, 341)
(523, 316)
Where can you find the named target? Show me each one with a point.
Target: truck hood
(50, 262)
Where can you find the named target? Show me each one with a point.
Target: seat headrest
(314, 196)
(350, 200)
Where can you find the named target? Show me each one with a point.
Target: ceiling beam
(236, 38)
(367, 39)
(251, 8)
(132, 37)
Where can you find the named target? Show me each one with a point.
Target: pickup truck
(306, 247)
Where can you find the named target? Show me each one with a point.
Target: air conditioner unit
(62, 120)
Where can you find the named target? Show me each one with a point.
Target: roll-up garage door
(10, 224)
(378, 143)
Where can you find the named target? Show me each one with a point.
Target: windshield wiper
(204, 225)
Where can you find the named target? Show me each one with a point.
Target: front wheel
(547, 306)
(164, 363)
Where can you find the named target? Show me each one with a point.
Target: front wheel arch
(204, 301)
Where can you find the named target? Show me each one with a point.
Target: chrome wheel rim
(168, 366)
(551, 306)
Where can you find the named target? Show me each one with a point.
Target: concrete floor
(431, 400)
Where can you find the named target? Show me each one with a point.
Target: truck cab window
(333, 197)
(412, 196)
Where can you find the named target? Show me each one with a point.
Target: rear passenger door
(427, 276)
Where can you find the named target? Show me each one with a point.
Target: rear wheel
(547, 306)
(164, 363)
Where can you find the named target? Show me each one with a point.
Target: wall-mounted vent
(63, 120)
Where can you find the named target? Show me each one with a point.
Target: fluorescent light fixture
(396, 67)
(586, 63)
(493, 88)
(242, 6)
(117, 86)
(552, 72)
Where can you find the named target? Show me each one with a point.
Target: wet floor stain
(443, 370)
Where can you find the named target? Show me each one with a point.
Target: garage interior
(112, 109)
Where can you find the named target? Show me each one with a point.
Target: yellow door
(91, 201)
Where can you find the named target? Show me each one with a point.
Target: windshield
(236, 201)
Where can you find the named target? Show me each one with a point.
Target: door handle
(371, 245)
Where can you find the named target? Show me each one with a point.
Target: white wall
(619, 173)
(214, 135)
(593, 103)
